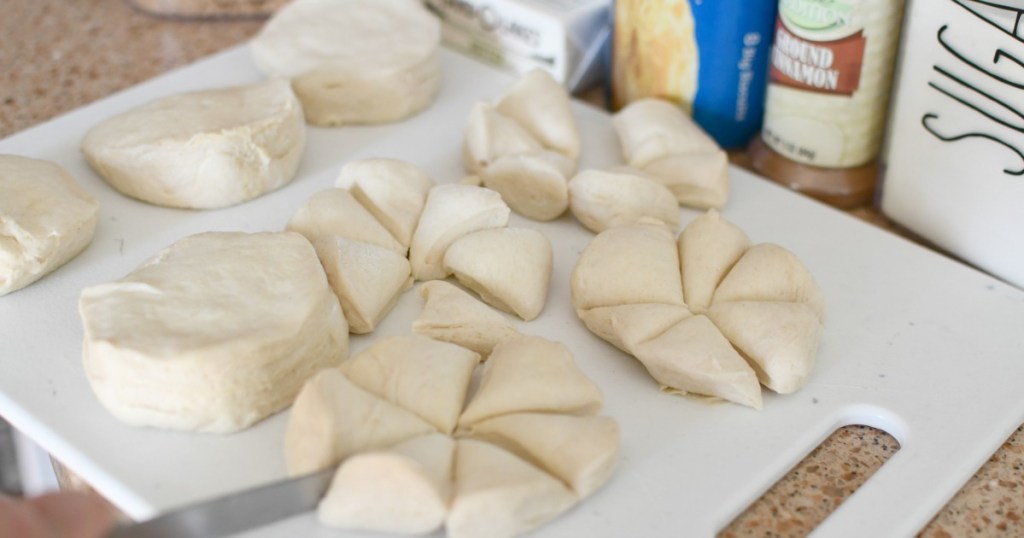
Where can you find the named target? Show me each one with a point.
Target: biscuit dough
(214, 333)
(46, 219)
(601, 199)
(393, 191)
(660, 139)
(752, 314)
(345, 62)
(509, 268)
(452, 210)
(202, 150)
(453, 315)
(520, 465)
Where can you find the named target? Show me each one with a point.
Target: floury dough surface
(46, 219)
(202, 150)
(212, 334)
(354, 61)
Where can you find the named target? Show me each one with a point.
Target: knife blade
(235, 512)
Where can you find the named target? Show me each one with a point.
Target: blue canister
(710, 56)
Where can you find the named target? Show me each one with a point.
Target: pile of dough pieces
(219, 330)
(46, 219)
(423, 444)
(386, 224)
(331, 62)
(706, 313)
(526, 146)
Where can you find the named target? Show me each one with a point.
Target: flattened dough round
(202, 150)
(45, 220)
(354, 61)
(214, 333)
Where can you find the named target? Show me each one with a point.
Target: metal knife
(236, 512)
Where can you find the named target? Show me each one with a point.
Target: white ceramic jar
(955, 147)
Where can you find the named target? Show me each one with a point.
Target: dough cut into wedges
(695, 179)
(768, 272)
(510, 268)
(535, 185)
(368, 279)
(345, 62)
(530, 373)
(708, 248)
(403, 490)
(780, 339)
(337, 212)
(452, 211)
(627, 265)
(393, 191)
(425, 376)
(602, 199)
(541, 105)
(452, 315)
(498, 495)
(46, 219)
(650, 129)
(202, 150)
(490, 135)
(213, 333)
(580, 450)
(626, 326)
(333, 418)
(694, 357)
(659, 138)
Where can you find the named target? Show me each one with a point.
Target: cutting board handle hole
(814, 488)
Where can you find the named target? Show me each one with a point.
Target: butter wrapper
(563, 37)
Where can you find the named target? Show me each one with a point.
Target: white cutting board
(915, 344)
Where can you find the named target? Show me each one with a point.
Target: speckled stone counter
(57, 55)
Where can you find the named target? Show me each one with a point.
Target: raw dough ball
(354, 61)
(368, 279)
(530, 373)
(404, 490)
(535, 185)
(780, 338)
(46, 219)
(214, 333)
(526, 146)
(452, 211)
(335, 212)
(541, 105)
(333, 418)
(393, 191)
(601, 199)
(628, 265)
(426, 376)
(498, 495)
(509, 268)
(452, 315)
(694, 357)
(202, 150)
(753, 314)
(491, 135)
(708, 248)
(579, 450)
(660, 139)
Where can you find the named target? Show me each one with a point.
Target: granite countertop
(57, 55)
